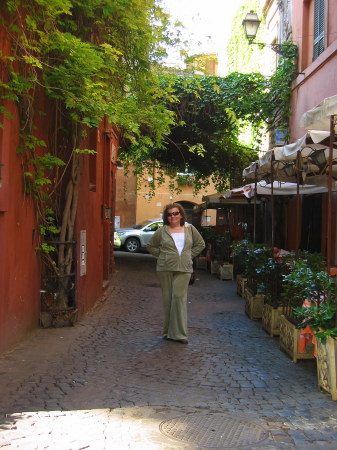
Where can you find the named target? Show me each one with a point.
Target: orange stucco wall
(148, 208)
(134, 206)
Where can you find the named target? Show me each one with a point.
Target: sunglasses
(174, 213)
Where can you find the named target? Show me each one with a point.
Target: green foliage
(270, 276)
(98, 58)
(315, 261)
(245, 58)
(304, 279)
(280, 87)
(320, 315)
(298, 283)
(85, 151)
(94, 59)
(207, 112)
(240, 252)
(185, 180)
(219, 243)
(46, 248)
(242, 57)
(48, 228)
(257, 257)
(253, 262)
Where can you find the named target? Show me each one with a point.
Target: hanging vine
(92, 60)
(210, 113)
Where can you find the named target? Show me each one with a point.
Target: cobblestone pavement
(112, 382)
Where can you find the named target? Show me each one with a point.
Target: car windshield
(142, 224)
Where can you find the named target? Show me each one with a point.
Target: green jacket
(162, 246)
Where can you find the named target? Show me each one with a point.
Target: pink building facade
(314, 25)
(314, 31)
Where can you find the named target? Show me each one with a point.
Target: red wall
(90, 217)
(20, 269)
(19, 264)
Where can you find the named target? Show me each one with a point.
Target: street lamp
(251, 24)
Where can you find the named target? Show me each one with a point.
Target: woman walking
(175, 245)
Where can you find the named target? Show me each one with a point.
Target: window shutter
(319, 22)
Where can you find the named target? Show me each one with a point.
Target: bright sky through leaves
(207, 25)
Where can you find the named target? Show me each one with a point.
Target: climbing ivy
(209, 114)
(93, 59)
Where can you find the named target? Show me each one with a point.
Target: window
(154, 226)
(319, 22)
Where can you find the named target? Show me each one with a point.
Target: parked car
(117, 241)
(137, 237)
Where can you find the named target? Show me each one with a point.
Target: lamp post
(250, 25)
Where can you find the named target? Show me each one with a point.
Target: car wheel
(132, 245)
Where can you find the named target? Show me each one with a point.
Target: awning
(318, 118)
(279, 188)
(218, 199)
(313, 162)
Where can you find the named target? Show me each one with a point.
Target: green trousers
(174, 286)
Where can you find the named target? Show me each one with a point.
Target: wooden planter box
(271, 319)
(289, 340)
(214, 267)
(240, 285)
(202, 263)
(253, 304)
(326, 366)
(225, 272)
(58, 319)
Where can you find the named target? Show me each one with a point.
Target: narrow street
(112, 382)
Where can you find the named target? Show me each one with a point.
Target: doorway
(311, 223)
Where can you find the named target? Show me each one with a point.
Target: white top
(179, 240)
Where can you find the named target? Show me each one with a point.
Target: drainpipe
(255, 199)
(272, 201)
(329, 218)
(298, 203)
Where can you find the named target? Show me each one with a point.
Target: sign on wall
(83, 252)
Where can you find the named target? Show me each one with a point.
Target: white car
(138, 236)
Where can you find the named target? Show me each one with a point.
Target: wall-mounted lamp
(251, 24)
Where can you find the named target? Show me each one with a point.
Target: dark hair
(171, 206)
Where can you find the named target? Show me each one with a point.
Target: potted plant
(240, 264)
(257, 256)
(298, 286)
(219, 244)
(320, 315)
(270, 285)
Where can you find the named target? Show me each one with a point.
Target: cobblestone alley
(112, 382)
